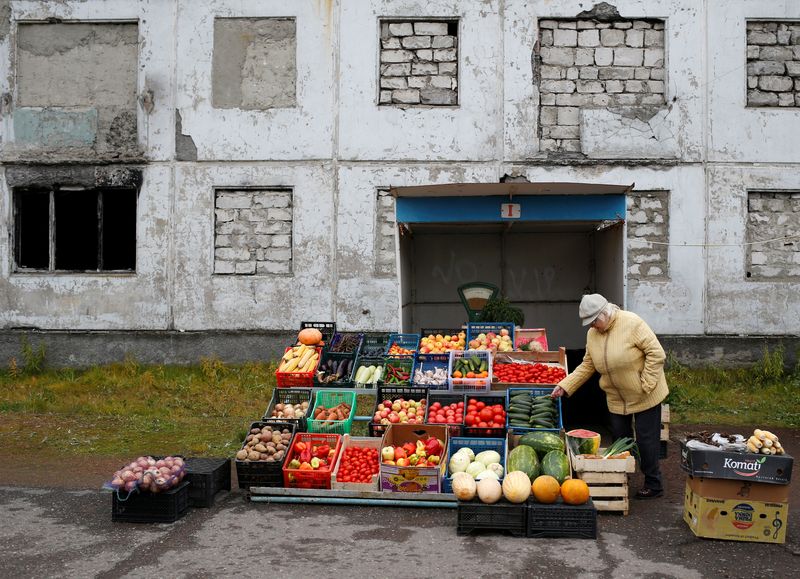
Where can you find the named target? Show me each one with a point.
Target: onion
(130, 485)
(179, 461)
(165, 471)
(147, 479)
(151, 461)
(117, 482)
(176, 469)
(128, 476)
(142, 461)
(160, 463)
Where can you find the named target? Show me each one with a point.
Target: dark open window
(75, 230)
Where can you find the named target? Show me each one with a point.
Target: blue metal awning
(495, 208)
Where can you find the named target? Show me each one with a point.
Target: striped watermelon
(583, 441)
(556, 464)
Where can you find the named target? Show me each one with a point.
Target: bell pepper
(294, 464)
(413, 459)
(410, 448)
(403, 462)
(387, 453)
(301, 446)
(306, 466)
(434, 459)
(420, 451)
(322, 451)
(305, 456)
(400, 452)
(433, 446)
(315, 463)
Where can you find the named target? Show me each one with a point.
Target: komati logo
(745, 467)
(742, 516)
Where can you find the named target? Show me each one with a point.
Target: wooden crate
(556, 357)
(664, 422)
(607, 480)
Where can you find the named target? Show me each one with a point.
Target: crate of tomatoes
(485, 416)
(358, 466)
(512, 369)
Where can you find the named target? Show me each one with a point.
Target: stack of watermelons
(540, 453)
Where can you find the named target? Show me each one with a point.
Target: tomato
(486, 414)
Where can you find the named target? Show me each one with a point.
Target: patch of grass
(763, 395)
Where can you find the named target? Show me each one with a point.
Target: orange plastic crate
(302, 379)
(311, 479)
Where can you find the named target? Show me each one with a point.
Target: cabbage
(476, 468)
(487, 474)
(487, 457)
(496, 468)
(468, 451)
(459, 462)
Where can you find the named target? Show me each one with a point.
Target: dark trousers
(648, 433)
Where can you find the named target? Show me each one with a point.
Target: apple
(504, 332)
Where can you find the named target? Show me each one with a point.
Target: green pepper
(315, 463)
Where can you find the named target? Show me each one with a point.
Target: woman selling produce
(630, 360)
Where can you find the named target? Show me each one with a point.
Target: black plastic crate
(207, 476)
(374, 344)
(327, 329)
(391, 393)
(489, 400)
(356, 339)
(290, 396)
(501, 516)
(165, 507)
(446, 398)
(561, 520)
(260, 473)
(346, 381)
(368, 361)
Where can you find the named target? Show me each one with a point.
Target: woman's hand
(558, 392)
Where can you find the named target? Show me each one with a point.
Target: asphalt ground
(53, 527)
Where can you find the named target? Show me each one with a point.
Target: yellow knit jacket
(630, 361)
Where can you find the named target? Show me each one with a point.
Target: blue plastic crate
(477, 445)
(424, 362)
(475, 328)
(407, 341)
(534, 392)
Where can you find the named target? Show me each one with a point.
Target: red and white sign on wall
(510, 211)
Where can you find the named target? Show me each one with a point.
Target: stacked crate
(607, 480)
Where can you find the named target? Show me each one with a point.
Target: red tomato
(486, 414)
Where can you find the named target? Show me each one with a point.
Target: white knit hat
(590, 308)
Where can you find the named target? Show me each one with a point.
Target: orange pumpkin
(309, 336)
(546, 489)
(574, 491)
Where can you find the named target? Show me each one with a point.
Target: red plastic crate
(311, 479)
(293, 379)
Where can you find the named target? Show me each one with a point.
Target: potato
(253, 455)
(278, 455)
(255, 430)
(260, 448)
(280, 446)
(241, 455)
(277, 438)
(279, 407)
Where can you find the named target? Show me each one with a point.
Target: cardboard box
(414, 479)
(718, 488)
(774, 469)
(530, 334)
(360, 442)
(735, 519)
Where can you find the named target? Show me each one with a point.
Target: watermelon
(542, 442)
(523, 458)
(583, 441)
(556, 464)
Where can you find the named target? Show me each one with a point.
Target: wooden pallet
(607, 480)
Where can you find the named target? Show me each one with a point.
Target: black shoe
(648, 494)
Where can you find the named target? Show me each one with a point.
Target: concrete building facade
(232, 167)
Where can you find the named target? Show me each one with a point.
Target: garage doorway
(565, 240)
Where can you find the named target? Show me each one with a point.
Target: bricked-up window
(385, 225)
(87, 230)
(773, 215)
(593, 64)
(648, 233)
(419, 63)
(773, 64)
(253, 232)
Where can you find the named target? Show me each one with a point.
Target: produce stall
(484, 438)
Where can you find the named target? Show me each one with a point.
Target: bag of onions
(147, 474)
